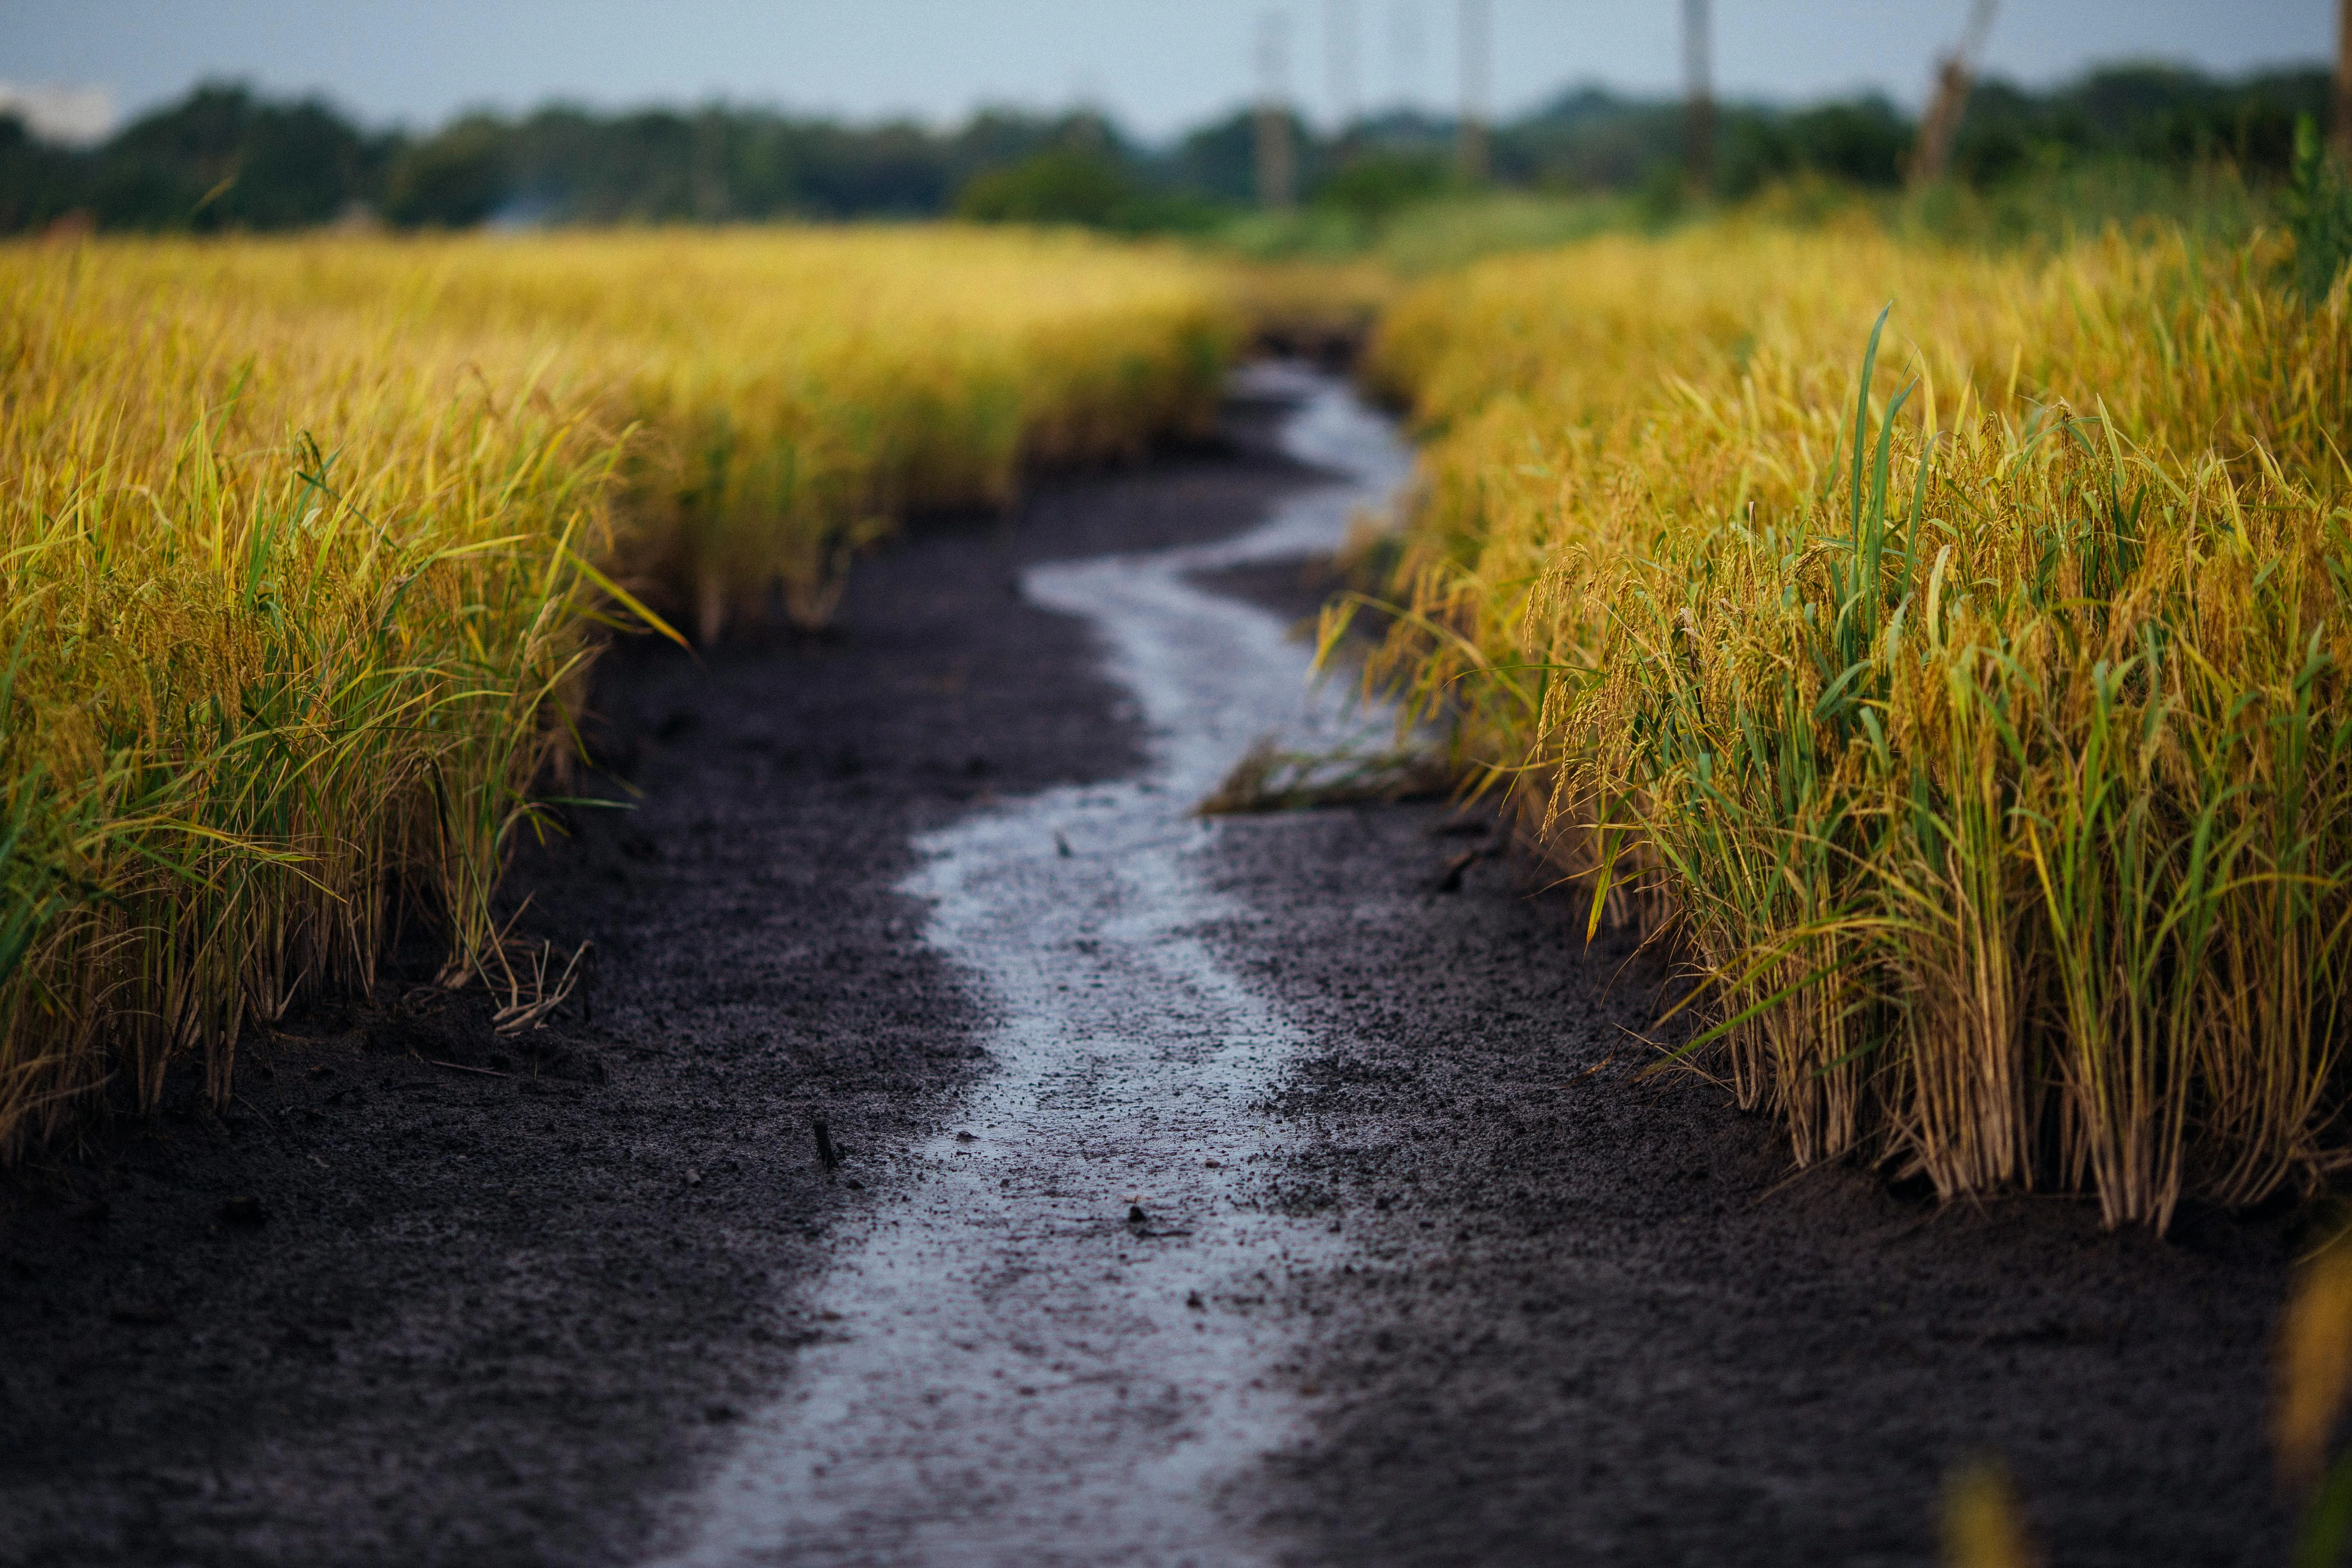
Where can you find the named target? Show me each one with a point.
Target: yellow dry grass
(304, 544)
(1988, 749)
(798, 388)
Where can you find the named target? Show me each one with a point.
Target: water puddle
(1020, 1371)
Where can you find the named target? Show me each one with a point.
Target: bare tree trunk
(1698, 73)
(1954, 74)
(1933, 156)
(1276, 160)
(1470, 132)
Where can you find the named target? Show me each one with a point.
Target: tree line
(226, 157)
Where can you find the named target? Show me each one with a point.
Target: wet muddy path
(1051, 1343)
(1421, 1274)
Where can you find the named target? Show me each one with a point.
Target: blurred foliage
(1085, 187)
(2319, 213)
(2058, 201)
(1377, 184)
(1451, 229)
(2116, 142)
(1061, 185)
(2160, 114)
(1863, 141)
(453, 180)
(219, 159)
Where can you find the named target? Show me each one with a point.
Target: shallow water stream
(1017, 1369)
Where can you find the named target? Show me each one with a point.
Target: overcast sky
(1157, 64)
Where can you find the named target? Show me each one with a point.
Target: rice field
(1944, 653)
(308, 544)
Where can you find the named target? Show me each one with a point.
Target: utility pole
(1954, 74)
(1276, 162)
(2339, 128)
(1477, 49)
(1340, 20)
(1698, 82)
(706, 165)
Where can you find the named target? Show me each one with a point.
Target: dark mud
(1052, 1344)
(509, 1319)
(495, 1315)
(1599, 1321)
(1595, 1321)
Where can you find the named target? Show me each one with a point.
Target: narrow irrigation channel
(1426, 1271)
(1052, 1347)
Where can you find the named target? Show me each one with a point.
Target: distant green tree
(1219, 161)
(2319, 213)
(452, 179)
(1592, 139)
(1372, 186)
(221, 158)
(2164, 115)
(1061, 185)
(38, 183)
(1862, 140)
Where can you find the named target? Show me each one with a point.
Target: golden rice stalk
(2314, 1367)
(305, 546)
(1983, 1526)
(1981, 724)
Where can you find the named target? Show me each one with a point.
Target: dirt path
(1046, 1348)
(502, 1310)
(1466, 1293)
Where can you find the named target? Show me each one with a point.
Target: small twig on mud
(1784, 1184)
(462, 966)
(275, 1134)
(825, 1154)
(528, 1002)
(1601, 1065)
(461, 1066)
